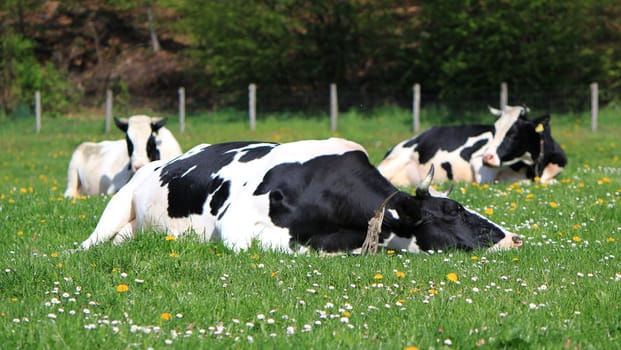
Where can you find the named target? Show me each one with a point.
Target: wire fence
(333, 99)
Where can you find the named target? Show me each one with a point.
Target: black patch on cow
(219, 196)
(326, 201)
(447, 138)
(188, 190)
(255, 153)
(130, 145)
(449, 169)
(152, 151)
(467, 152)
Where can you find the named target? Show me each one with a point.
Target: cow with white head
(104, 167)
(311, 194)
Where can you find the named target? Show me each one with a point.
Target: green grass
(561, 290)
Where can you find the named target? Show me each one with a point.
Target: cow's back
(97, 168)
(450, 148)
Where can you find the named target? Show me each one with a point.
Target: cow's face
(516, 138)
(140, 135)
(444, 223)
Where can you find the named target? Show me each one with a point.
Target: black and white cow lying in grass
(513, 149)
(317, 194)
(104, 167)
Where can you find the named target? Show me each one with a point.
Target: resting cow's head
(442, 223)
(516, 138)
(140, 134)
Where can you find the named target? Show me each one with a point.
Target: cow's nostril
(517, 241)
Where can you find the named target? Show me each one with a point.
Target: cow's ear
(121, 123)
(541, 123)
(494, 111)
(158, 124)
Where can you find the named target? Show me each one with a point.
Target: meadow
(560, 290)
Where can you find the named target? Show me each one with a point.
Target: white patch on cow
(507, 117)
(401, 244)
(189, 170)
(395, 166)
(393, 213)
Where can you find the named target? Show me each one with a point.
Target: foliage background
(548, 51)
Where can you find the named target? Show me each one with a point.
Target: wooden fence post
(594, 106)
(334, 107)
(108, 116)
(252, 106)
(416, 108)
(37, 111)
(181, 92)
(504, 95)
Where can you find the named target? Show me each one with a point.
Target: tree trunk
(155, 44)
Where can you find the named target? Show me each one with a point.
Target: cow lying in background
(513, 149)
(104, 167)
(317, 194)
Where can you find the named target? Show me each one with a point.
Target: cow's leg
(550, 172)
(73, 179)
(340, 241)
(117, 218)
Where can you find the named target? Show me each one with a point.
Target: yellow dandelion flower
(60, 265)
(400, 274)
(452, 277)
(20, 233)
(23, 190)
(166, 316)
(515, 259)
(93, 265)
(604, 180)
(566, 181)
(537, 179)
(610, 240)
(530, 196)
(254, 256)
(274, 274)
(474, 258)
(390, 251)
(414, 290)
(576, 226)
(43, 221)
(122, 288)
(600, 201)
(535, 226)
(576, 239)
(345, 313)
(411, 347)
(173, 254)
(54, 255)
(401, 301)
(170, 238)
(378, 276)
(488, 211)
(432, 291)
(14, 299)
(116, 269)
(581, 184)
(554, 205)
(519, 190)
(560, 234)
